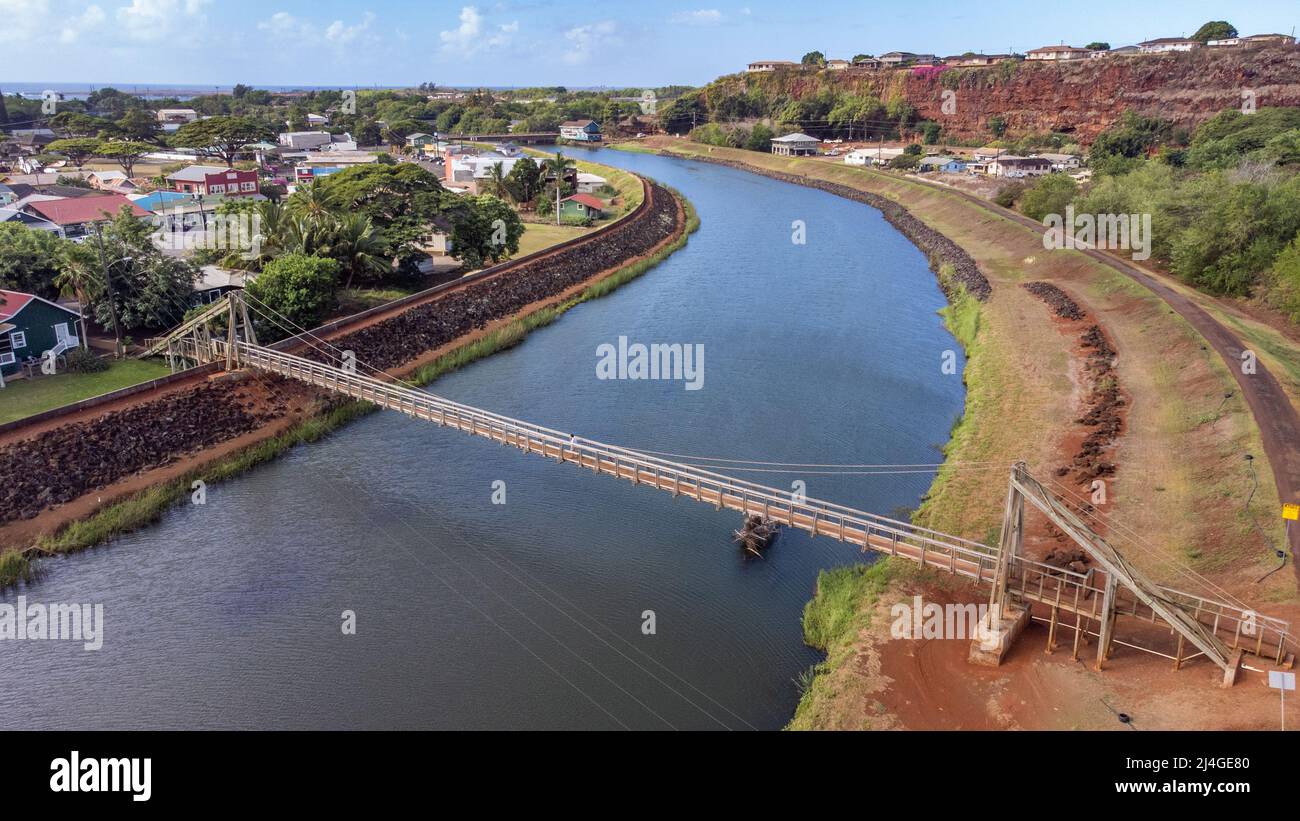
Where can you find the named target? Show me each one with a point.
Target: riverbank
(487, 335)
(1181, 450)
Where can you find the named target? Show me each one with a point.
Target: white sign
(1281, 681)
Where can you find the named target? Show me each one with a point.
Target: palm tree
(496, 181)
(359, 248)
(314, 204)
(79, 276)
(557, 168)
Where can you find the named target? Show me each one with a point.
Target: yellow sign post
(1291, 512)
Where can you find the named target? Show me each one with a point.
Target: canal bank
(1182, 449)
(169, 476)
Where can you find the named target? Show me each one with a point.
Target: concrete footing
(996, 634)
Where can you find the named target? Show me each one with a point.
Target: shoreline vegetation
(147, 506)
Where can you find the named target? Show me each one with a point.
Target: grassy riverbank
(148, 506)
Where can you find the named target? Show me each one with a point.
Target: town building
(837, 65)
(1013, 167)
(210, 179)
(76, 215)
(581, 207)
(871, 156)
(177, 116)
(215, 282)
(894, 59)
(590, 183)
(583, 131)
(1161, 45)
(770, 65)
(1255, 40)
(795, 145)
(305, 140)
(30, 326)
(947, 165)
(1061, 162)
(1058, 53)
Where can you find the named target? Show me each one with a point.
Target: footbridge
(1111, 599)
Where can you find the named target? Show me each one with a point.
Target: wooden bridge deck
(1028, 581)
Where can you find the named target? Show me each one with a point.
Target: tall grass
(148, 506)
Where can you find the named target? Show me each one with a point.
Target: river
(536, 613)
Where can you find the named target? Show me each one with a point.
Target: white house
(770, 65)
(1058, 53)
(795, 145)
(590, 183)
(1061, 162)
(837, 65)
(305, 140)
(1012, 166)
(871, 156)
(1161, 45)
(177, 115)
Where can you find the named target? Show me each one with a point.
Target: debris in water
(756, 533)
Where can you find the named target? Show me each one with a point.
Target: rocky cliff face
(1081, 98)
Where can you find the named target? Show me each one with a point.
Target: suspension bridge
(1111, 598)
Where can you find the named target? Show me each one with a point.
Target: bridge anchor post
(1005, 618)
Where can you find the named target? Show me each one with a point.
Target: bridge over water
(1111, 598)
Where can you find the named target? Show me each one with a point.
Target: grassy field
(25, 397)
(540, 236)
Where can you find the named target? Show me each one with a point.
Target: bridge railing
(815, 515)
(1032, 579)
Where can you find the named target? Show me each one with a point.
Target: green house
(580, 207)
(30, 326)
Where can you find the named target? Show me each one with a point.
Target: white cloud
(586, 41)
(150, 21)
(699, 17)
(474, 35)
(287, 29)
(23, 19)
(75, 26)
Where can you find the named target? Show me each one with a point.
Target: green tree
(1214, 30)
(525, 180)
(404, 202)
(1282, 283)
(359, 249)
(138, 124)
(1048, 194)
(150, 289)
(488, 233)
(76, 149)
(1097, 45)
(760, 138)
(813, 59)
(30, 259)
(125, 153)
(998, 125)
(222, 137)
(298, 286)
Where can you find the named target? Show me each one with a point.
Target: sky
(361, 43)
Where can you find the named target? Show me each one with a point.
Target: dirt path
(1276, 417)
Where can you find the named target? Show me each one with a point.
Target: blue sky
(401, 42)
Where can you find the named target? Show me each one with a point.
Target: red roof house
(74, 214)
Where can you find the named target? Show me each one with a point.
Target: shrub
(81, 360)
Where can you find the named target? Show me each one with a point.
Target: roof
(15, 301)
(1048, 49)
(197, 173)
(587, 200)
(795, 138)
(583, 176)
(214, 276)
(74, 210)
(577, 123)
(1163, 41)
(160, 199)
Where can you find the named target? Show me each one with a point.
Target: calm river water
(471, 614)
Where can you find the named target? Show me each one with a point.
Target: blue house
(583, 131)
(30, 326)
(948, 165)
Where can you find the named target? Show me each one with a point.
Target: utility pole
(112, 295)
